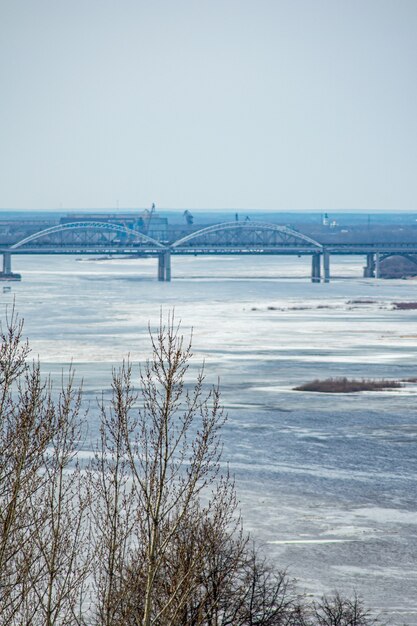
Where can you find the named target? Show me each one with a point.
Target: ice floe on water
(328, 482)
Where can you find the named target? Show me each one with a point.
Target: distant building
(13, 230)
(146, 222)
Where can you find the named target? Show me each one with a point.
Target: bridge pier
(326, 266)
(315, 267)
(164, 266)
(377, 259)
(369, 269)
(7, 273)
(7, 263)
(168, 267)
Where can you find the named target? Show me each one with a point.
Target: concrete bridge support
(7, 273)
(164, 266)
(7, 263)
(315, 267)
(377, 270)
(326, 266)
(369, 269)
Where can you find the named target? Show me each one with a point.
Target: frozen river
(328, 482)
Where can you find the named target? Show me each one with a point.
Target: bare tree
(189, 562)
(112, 502)
(59, 550)
(169, 435)
(233, 584)
(196, 572)
(174, 455)
(261, 595)
(26, 429)
(339, 610)
(43, 528)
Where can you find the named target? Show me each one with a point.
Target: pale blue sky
(270, 104)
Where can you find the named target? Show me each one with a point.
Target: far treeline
(146, 533)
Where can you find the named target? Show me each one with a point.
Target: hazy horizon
(279, 105)
(241, 211)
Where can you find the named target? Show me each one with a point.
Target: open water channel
(326, 481)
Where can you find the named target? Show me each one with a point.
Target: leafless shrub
(338, 610)
(232, 585)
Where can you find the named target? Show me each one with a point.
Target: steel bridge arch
(107, 226)
(284, 230)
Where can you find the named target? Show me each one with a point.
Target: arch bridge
(240, 238)
(108, 238)
(87, 237)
